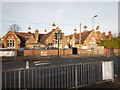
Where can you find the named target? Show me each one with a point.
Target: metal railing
(64, 76)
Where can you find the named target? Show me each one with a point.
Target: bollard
(27, 64)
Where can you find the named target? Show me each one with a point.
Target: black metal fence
(65, 76)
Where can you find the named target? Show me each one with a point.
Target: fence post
(76, 82)
(112, 65)
(5, 81)
(19, 79)
(27, 64)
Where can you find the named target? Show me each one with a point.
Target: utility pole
(80, 37)
(58, 37)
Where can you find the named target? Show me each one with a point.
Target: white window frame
(10, 43)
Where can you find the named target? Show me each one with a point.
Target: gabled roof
(25, 36)
(31, 40)
(70, 36)
(108, 36)
(84, 35)
(101, 35)
(46, 36)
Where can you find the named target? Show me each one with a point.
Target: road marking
(41, 64)
(39, 61)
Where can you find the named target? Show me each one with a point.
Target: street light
(93, 21)
(80, 37)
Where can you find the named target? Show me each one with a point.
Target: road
(56, 61)
(45, 62)
(63, 61)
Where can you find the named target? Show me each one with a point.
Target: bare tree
(14, 28)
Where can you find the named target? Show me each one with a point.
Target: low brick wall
(54, 52)
(38, 52)
(84, 51)
(115, 50)
(67, 52)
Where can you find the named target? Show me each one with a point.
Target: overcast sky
(66, 15)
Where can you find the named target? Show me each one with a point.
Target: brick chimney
(109, 33)
(103, 33)
(98, 32)
(36, 34)
(54, 26)
(29, 30)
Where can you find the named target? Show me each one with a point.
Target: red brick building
(32, 40)
(86, 39)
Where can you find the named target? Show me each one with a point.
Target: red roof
(25, 36)
(45, 36)
(84, 35)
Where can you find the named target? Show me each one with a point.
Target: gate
(74, 50)
(64, 76)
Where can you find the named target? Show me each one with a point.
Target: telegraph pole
(80, 37)
(58, 43)
(58, 37)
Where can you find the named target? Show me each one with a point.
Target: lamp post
(93, 21)
(80, 37)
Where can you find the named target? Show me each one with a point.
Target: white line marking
(41, 63)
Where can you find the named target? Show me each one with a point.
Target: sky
(66, 15)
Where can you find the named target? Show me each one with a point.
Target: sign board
(107, 70)
(84, 47)
(89, 50)
(7, 53)
(44, 53)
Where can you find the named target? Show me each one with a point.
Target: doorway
(74, 50)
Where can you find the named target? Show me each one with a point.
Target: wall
(115, 50)
(84, 51)
(55, 52)
(98, 50)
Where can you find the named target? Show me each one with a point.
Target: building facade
(87, 39)
(16, 40)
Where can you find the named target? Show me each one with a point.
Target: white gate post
(108, 70)
(27, 64)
